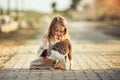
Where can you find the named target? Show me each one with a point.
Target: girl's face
(59, 32)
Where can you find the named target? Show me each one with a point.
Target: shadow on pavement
(89, 74)
(113, 30)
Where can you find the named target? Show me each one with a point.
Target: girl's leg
(37, 61)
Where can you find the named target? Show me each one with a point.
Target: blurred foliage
(108, 9)
(53, 5)
(74, 4)
(32, 16)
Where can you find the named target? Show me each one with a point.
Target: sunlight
(84, 2)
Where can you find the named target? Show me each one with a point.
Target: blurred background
(27, 12)
(22, 20)
(73, 9)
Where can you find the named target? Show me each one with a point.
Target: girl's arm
(45, 45)
(45, 42)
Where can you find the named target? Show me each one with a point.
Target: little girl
(58, 31)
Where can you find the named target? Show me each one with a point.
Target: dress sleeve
(45, 41)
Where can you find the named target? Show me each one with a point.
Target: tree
(54, 6)
(8, 4)
(74, 4)
(1, 11)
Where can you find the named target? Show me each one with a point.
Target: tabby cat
(60, 51)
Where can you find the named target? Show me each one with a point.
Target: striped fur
(62, 50)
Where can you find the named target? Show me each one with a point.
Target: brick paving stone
(91, 61)
(81, 75)
(92, 75)
(12, 62)
(28, 61)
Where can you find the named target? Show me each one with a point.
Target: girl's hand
(45, 60)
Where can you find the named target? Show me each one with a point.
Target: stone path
(91, 61)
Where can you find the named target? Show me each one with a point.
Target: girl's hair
(57, 20)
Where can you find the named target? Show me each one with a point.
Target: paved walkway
(91, 61)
